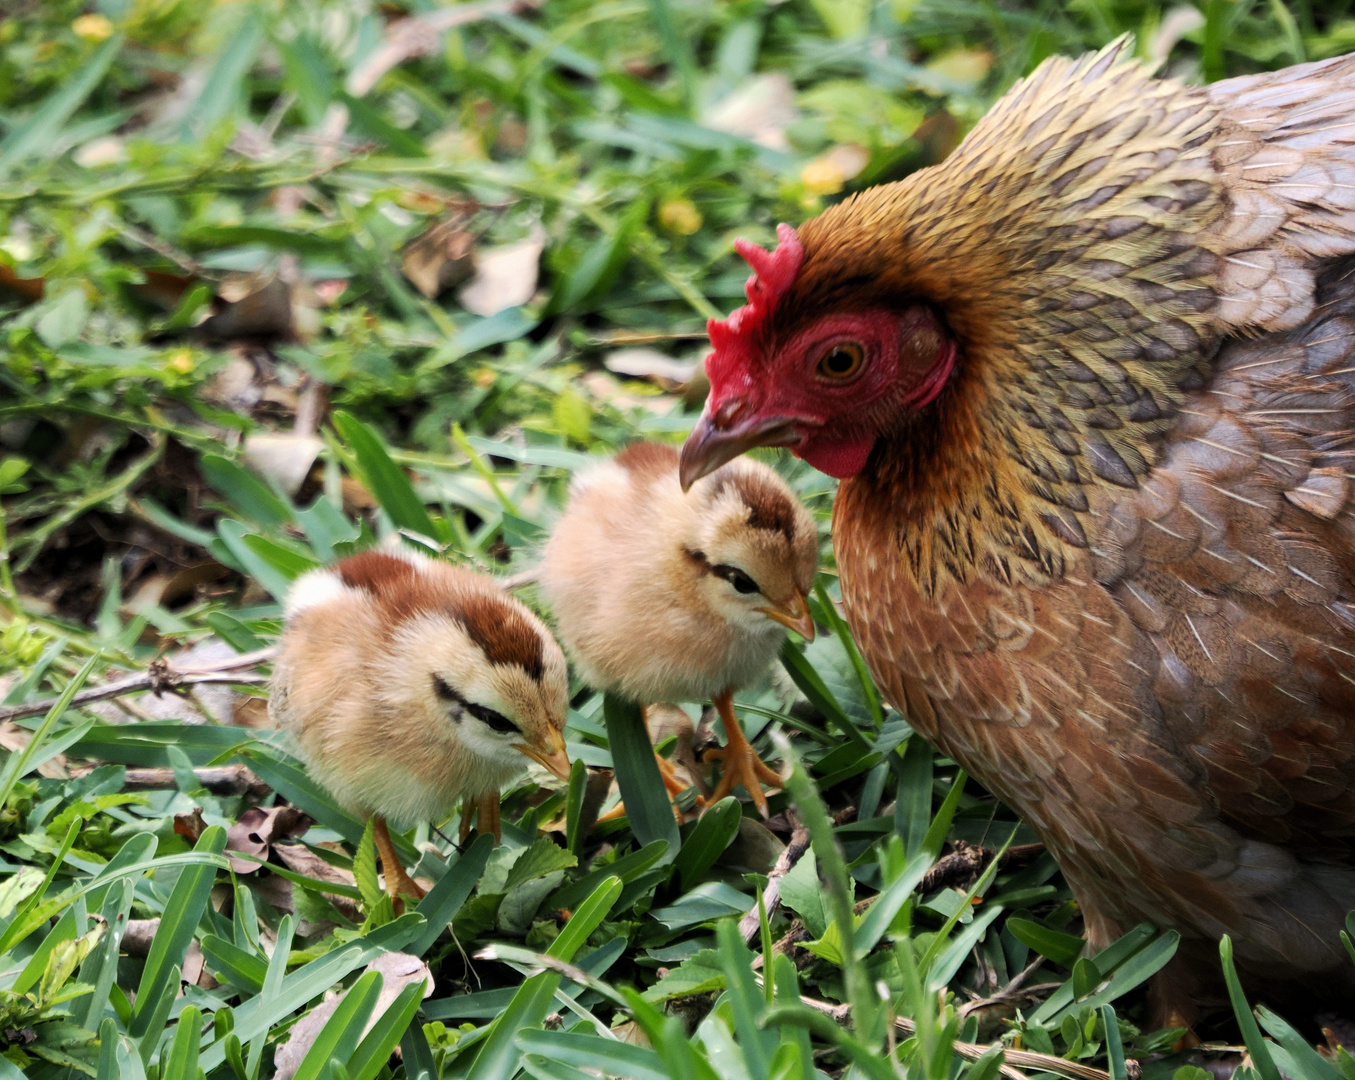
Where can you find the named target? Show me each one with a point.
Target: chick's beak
(729, 431)
(552, 757)
(793, 615)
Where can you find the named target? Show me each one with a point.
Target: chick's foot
(671, 781)
(741, 764)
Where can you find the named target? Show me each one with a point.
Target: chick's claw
(741, 764)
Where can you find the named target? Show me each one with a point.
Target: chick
(410, 685)
(664, 596)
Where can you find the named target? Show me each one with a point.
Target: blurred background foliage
(280, 279)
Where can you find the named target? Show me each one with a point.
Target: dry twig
(158, 678)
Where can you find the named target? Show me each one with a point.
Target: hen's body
(1140, 633)
(1109, 567)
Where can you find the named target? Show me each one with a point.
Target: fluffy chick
(664, 596)
(410, 685)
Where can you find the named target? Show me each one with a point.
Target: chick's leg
(398, 882)
(671, 781)
(486, 811)
(740, 760)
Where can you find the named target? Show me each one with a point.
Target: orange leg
(486, 811)
(398, 883)
(741, 763)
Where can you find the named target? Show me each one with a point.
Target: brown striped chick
(663, 596)
(410, 685)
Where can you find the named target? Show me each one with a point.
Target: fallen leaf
(441, 258)
(190, 826)
(640, 363)
(283, 457)
(258, 828)
(759, 109)
(505, 276)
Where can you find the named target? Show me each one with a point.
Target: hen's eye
(841, 361)
(736, 577)
(496, 721)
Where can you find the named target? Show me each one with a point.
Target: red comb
(774, 273)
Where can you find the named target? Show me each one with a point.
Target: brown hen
(1090, 384)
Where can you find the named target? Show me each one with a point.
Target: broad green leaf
(714, 831)
(1053, 944)
(246, 492)
(342, 1031)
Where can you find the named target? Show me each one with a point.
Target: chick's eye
(496, 721)
(841, 361)
(736, 577)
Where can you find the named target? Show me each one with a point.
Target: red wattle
(839, 458)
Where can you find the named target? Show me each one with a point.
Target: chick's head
(757, 548)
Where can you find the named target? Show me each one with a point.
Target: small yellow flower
(823, 176)
(180, 360)
(484, 377)
(93, 28)
(679, 216)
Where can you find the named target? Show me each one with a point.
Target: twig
(771, 896)
(219, 780)
(965, 862)
(159, 677)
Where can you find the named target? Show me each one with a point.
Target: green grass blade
(38, 133)
(16, 768)
(1251, 1034)
(246, 492)
(609, 1056)
(383, 478)
(578, 786)
(445, 898)
(183, 1052)
(648, 807)
(339, 1038)
(177, 925)
(379, 1043)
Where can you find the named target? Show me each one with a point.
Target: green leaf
(364, 869)
(713, 833)
(445, 898)
(1257, 1047)
(578, 787)
(544, 857)
(224, 88)
(699, 974)
(246, 492)
(338, 1039)
(596, 1053)
(183, 1052)
(648, 806)
(383, 478)
(239, 967)
(745, 999)
(379, 1043)
(1052, 944)
(38, 134)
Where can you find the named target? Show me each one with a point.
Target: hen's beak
(553, 758)
(794, 615)
(724, 435)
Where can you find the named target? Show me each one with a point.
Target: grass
(233, 240)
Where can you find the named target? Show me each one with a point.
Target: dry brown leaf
(441, 258)
(258, 828)
(760, 110)
(283, 457)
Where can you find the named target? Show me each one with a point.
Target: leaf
(38, 133)
(182, 1063)
(714, 832)
(445, 898)
(707, 902)
(383, 478)
(1052, 944)
(545, 856)
(364, 869)
(246, 492)
(700, 974)
(648, 807)
(1257, 1047)
(802, 893)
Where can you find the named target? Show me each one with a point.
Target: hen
(1090, 387)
